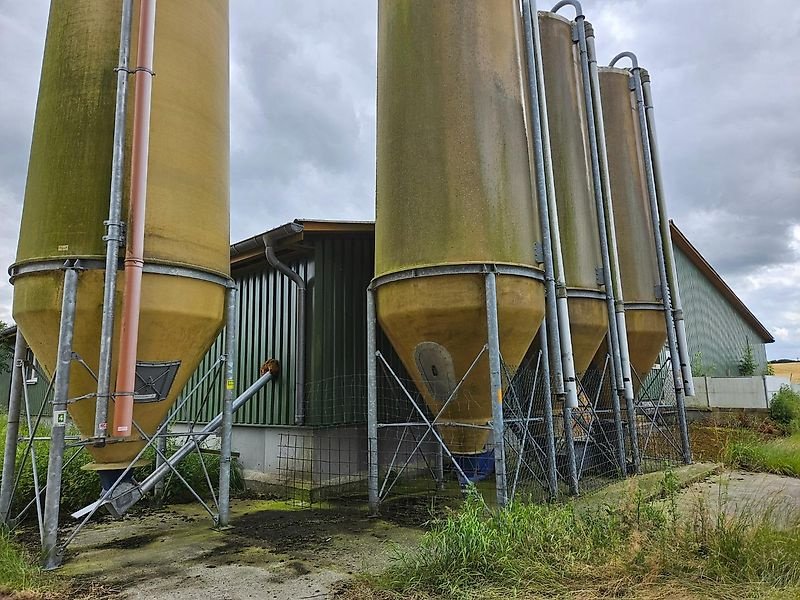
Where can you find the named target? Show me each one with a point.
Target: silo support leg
(372, 403)
(226, 431)
(12, 428)
(52, 557)
(493, 342)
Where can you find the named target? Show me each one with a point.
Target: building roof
(251, 247)
(291, 233)
(679, 240)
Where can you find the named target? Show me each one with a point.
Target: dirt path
(272, 551)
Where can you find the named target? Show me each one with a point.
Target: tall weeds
(638, 549)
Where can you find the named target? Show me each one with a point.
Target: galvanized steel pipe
(613, 254)
(666, 238)
(677, 373)
(557, 315)
(52, 500)
(134, 256)
(372, 402)
(12, 427)
(113, 236)
(496, 384)
(151, 480)
(226, 431)
(602, 198)
(550, 434)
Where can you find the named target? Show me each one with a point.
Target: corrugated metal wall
(337, 269)
(714, 328)
(37, 388)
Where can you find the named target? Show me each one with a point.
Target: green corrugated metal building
(336, 262)
(719, 326)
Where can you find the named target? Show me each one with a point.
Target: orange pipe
(134, 255)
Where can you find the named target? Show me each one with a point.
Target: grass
(750, 452)
(20, 575)
(640, 549)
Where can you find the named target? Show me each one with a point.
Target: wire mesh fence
(432, 445)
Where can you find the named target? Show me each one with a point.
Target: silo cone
(632, 218)
(453, 188)
(67, 196)
(572, 171)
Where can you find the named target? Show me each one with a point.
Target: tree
(6, 350)
(747, 364)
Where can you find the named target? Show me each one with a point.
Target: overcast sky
(725, 82)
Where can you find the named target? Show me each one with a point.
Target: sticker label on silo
(59, 418)
(63, 248)
(229, 384)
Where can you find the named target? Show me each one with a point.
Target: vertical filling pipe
(113, 235)
(560, 339)
(666, 237)
(134, 256)
(677, 374)
(607, 222)
(617, 376)
(12, 427)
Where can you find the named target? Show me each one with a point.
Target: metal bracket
(599, 276)
(134, 71)
(575, 35)
(538, 253)
(658, 291)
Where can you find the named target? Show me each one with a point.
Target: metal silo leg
(52, 556)
(372, 403)
(496, 389)
(12, 428)
(226, 430)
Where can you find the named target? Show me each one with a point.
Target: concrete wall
(735, 392)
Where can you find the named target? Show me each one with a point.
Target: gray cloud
(303, 124)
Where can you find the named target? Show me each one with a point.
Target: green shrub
(785, 406)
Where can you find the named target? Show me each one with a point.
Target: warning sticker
(63, 248)
(59, 418)
(229, 384)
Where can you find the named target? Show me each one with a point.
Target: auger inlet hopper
(577, 213)
(67, 200)
(633, 221)
(454, 189)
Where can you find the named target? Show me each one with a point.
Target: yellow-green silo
(453, 188)
(633, 221)
(67, 196)
(572, 174)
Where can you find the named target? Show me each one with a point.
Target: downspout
(269, 239)
(114, 232)
(134, 257)
(666, 239)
